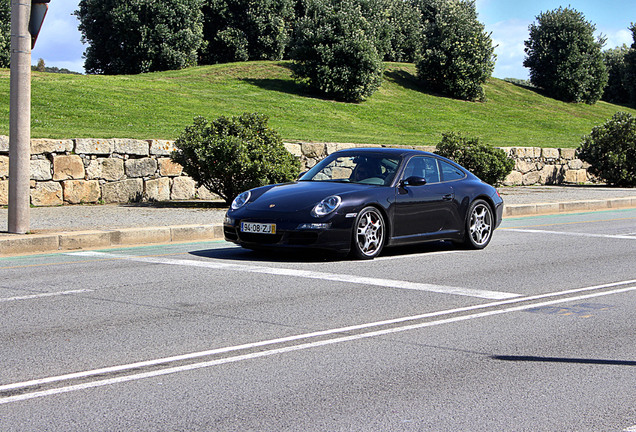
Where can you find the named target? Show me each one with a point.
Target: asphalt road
(535, 333)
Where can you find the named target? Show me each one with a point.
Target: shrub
(231, 155)
(611, 150)
(488, 163)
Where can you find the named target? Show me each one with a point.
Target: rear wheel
(369, 233)
(479, 225)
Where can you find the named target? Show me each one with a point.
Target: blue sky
(59, 43)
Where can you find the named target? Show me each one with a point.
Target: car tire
(480, 225)
(369, 234)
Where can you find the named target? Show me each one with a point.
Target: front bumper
(336, 237)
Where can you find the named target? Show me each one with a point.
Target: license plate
(258, 228)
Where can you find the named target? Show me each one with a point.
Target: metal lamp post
(24, 29)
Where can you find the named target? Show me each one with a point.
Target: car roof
(384, 151)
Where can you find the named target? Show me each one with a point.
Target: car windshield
(369, 169)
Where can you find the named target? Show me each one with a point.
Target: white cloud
(59, 42)
(508, 37)
(618, 38)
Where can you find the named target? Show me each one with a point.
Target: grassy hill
(160, 105)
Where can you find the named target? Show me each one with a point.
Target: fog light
(228, 221)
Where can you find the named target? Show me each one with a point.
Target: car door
(424, 209)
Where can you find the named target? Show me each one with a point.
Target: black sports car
(361, 200)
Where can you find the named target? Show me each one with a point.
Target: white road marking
(630, 429)
(38, 296)
(307, 345)
(609, 236)
(419, 255)
(362, 280)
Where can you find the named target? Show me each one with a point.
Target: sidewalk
(101, 226)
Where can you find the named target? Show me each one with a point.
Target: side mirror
(413, 181)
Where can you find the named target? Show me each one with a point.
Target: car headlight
(241, 200)
(326, 206)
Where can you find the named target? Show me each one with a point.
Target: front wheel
(368, 234)
(479, 225)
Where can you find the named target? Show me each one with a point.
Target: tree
(334, 50)
(617, 90)
(630, 68)
(564, 58)
(397, 27)
(457, 53)
(240, 30)
(136, 36)
(5, 33)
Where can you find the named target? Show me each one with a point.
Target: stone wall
(533, 165)
(76, 171)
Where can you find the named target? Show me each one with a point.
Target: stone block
(575, 164)
(294, 148)
(4, 166)
(46, 146)
(204, 193)
(575, 176)
(131, 147)
(124, 191)
(531, 178)
(68, 167)
(144, 167)
(4, 192)
(46, 194)
(183, 188)
(40, 170)
(568, 153)
(93, 146)
(525, 167)
(314, 150)
(550, 153)
(167, 168)
(158, 189)
(161, 147)
(550, 175)
(515, 178)
(112, 169)
(4, 144)
(81, 191)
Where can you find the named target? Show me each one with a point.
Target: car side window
(450, 172)
(423, 166)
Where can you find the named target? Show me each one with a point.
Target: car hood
(299, 196)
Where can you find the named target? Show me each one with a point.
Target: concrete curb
(519, 210)
(78, 240)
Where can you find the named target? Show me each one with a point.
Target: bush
(334, 51)
(231, 155)
(611, 150)
(488, 163)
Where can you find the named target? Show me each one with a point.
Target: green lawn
(160, 105)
